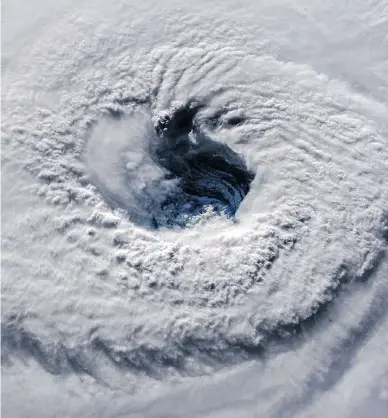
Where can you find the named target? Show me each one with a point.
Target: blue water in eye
(209, 173)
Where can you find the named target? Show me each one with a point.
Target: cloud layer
(287, 294)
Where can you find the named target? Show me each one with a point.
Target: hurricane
(194, 209)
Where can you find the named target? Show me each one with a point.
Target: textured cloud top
(188, 194)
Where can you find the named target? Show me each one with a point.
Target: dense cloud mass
(194, 209)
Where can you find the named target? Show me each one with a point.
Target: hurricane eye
(210, 174)
(235, 120)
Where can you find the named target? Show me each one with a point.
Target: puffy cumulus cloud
(196, 208)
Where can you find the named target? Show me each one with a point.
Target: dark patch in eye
(235, 120)
(182, 122)
(209, 173)
(219, 119)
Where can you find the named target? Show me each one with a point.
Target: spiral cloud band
(186, 197)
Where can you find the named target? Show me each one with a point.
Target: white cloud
(278, 314)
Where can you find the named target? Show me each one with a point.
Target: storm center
(209, 174)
